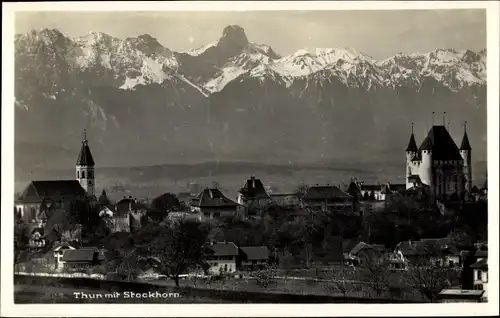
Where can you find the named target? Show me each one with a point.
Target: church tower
(411, 152)
(85, 167)
(466, 152)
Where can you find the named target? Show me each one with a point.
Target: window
(451, 263)
(90, 181)
(83, 174)
(90, 174)
(478, 287)
(479, 275)
(78, 174)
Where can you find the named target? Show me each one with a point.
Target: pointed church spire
(412, 145)
(465, 140)
(85, 156)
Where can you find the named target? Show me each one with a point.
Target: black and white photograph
(250, 156)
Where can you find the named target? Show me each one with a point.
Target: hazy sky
(377, 33)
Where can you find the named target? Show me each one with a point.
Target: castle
(440, 164)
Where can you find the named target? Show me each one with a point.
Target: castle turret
(466, 152)
(85, 167)
(411, 153)
(426, 165)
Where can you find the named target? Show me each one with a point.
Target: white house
(480, 276)
(222, 257)
(58, 254)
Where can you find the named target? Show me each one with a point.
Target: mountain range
(234, 100)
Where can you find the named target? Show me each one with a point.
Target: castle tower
(466, 152)
(411, 152)
(85, 167)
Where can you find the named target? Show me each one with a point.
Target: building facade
(439, 164)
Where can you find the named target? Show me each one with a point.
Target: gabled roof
(465, 143)
(324, 193)
(224, 249)
(52, 190)
(85, 156)
(426, 247)
(482, 264)
(412, 145)
(254, 189)
(63, 246)
(79, 255)
(212, 197)
(442, 145)
(256, 252)
(364, 246)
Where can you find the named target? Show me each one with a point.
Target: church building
(440, 164)
(41, 197)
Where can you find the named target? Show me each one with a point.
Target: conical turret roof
(412, 145)
(465, 143)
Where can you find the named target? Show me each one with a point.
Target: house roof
(51, 190)
(441, 144)
(224, 249)
(397, 187)
(63, 246)
(427, 247)
(103, 199)
(364, 246)
(79, 255)
(465, 143)
(415, 178)
(412, 145)
(482, 264)
(85, 156)
(324, 193)
(256, 252)
(212, 197)
(254, 189)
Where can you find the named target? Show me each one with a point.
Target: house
(440, 164)
(328, 197)
(435, 250)
(253, 257)
(125, 216)
(480, 274)
(212, 203)
(364, 252)
(374, 192)
(461, 296)
(222, 257)
(58, 252)
(82, 259)
(37, 239)
(253, 195)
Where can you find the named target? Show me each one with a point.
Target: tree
(177, 247)
(339, 282)
(429, 274)
(374, 271)
(21, 239)
(266, 276)
(166, 202)
(366, 196)
(431, 278)
(372, 195)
